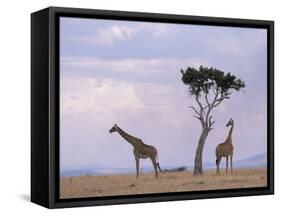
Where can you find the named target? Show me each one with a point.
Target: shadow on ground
(25, 197)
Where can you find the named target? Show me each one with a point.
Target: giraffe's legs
(137, 165)
(231, 163)
(218, 160)
(153, 160)
(226, 164)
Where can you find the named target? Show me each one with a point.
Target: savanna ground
(124, 184)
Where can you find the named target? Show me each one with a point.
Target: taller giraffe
(225, 149)
(141, 150)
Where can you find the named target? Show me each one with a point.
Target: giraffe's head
(229, 123)
(113, 129)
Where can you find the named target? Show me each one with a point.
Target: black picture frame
(45, 106)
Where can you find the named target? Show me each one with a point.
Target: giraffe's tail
(158, 165)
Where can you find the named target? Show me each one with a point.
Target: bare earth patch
(124, 184)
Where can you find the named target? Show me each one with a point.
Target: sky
(128, 73)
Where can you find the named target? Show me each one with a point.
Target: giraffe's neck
(129, 138)
(229, 137)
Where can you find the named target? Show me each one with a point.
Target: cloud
(112, 33)
(244, 44)
(155, 29)
(109, 100)
(104, 98)
(229, 47)
(108, 36)
(133, 65)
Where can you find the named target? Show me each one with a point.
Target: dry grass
(93, 186)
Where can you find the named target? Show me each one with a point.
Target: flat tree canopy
(205, 79)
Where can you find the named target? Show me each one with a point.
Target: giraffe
(225, 149)
(141, 150)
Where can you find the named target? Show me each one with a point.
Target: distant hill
(106, 171)
(257, 161)
(68, 173)
(109, 171)
(253, 162)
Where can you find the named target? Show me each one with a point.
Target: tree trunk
(198, 170)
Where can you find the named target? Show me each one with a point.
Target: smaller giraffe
(141, 150)
(225, 149)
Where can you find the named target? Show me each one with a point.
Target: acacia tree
(210, 87)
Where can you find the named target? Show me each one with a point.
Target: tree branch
(196, 111)
(211, 107)
(214, 91)
(206, 99)
(198, 117)
(199, 103)
(218, 101)
(211, 122)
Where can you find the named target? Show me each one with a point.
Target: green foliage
(204, 79)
